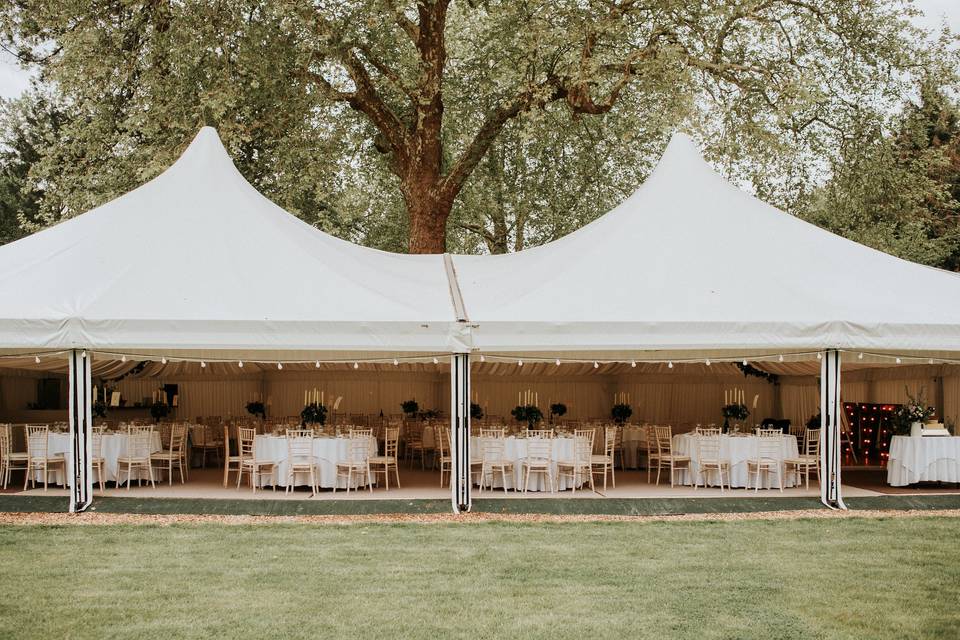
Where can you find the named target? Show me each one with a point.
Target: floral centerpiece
(621, 413)
(557, 409)
(410, 407)
(99, 409)
(909, 418)
(314, 413)
(256, 408)
(530, 414)
(476, 411)
(734, 411)
(159, 410)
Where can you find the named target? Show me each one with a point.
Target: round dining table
(515, 449)
(327, 450)
(113, 445)
(737, 448)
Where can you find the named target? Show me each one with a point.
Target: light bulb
(435, 361)
(633, 363)
(558, 362)
(708, 362)
(163, 360)
(36, 359)
(279, 365)
(898, 360)
(819, 356)
(240, 364)
(780, 358)
(123, 358)
(744, 363)
(395, 362)
(203, 365)
(317, 364)
(860, 357)
(670, 365)
(483, 358)
(83, 354)
(356, 365)
(596, 365)
(519, 363)
(931, 361)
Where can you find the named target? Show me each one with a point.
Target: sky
(14, 80)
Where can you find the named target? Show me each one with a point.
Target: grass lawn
(850, 578)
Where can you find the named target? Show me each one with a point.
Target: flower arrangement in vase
(530, 414)
(314, 413)
(621, 412)
(735, 411)
(909, 418)
(256, 408)
(557, 409)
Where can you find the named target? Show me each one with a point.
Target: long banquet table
(515, 449)
(112, 446)
(327, 450)
(737, 449)
(923, 459)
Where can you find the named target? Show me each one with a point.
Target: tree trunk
(428, 223)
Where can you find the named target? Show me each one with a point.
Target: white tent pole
(830, 408)
(81, 421)
(460, 480)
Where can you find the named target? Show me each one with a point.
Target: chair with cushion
(301, 459)
(39, 459)
(577, 468)
(136, 456)
(249, 463)
(808, 461)
(388, 461)
(493, 461)
(355, 468)
(603, 462)
(10, 460)
(539, 460)
(709, 460)
(768, 458)
(231, 462)
(168, 459)
(665, 457)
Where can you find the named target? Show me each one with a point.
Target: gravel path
(46, 519)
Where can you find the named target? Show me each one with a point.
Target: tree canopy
(470, 125)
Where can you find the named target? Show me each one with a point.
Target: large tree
(515, 107)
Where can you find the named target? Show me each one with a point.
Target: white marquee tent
(196, 264)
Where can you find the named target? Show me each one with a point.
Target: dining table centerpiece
(410, 407)
(257, 408)
(557, 409)
(911, 416)
(734, 411)
(621, 412)
(529, 413)
(314, 413)
(476, 411)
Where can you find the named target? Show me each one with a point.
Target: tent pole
(460, 480)
(81, 421)
(830, 408)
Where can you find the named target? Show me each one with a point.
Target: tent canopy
(197, 263)
(691, 264)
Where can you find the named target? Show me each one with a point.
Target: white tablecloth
(632, 437)
(736, 449)
(328, 452)
(112, 446)
(514, 450)
(920, 459)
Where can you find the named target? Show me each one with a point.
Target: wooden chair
(209, 441)
(768, 459)
(139, 446)
(96, 454)
(546, 434)
(360, 433)
(388, 461)
(605, 459)
(808, 461)
(356, 464)
(539, 460)
(708, 458)
(301, 459)
(228, 458)
(443, 451)
(665, 457)
(578, 467)
(173, 456)
(38, 458)
(249, 463)
(493, 459)
(493, 433)
(10, 460)
(618, 446)
(413, 443)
